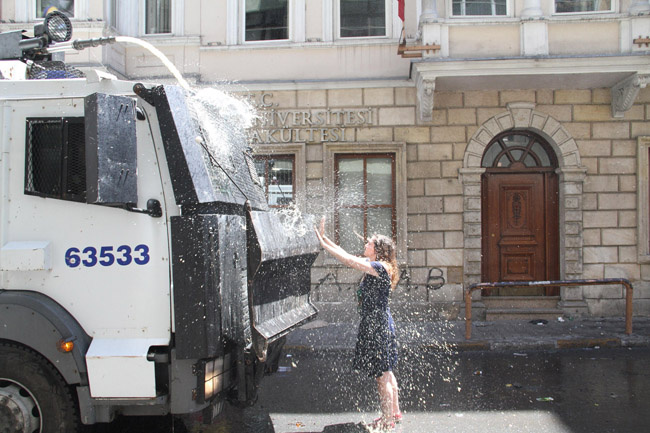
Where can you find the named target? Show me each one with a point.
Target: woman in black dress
(376, 348)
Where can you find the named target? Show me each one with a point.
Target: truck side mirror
(111, 150)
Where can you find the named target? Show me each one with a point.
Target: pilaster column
(532, 9)
(640, 7)
(429, 11)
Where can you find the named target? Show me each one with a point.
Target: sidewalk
(516, 335)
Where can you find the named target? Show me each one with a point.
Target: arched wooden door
(520, 217)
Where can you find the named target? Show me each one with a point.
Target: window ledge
(292, 45)
(168, 39)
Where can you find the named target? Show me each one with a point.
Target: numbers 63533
(122, 255)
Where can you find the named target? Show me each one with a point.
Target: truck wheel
(33, 396)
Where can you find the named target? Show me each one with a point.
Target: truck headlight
(212, 377)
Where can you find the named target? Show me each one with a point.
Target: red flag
(400, 9)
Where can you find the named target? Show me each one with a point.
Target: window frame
(64, 123)
(643, 198)
(508, 14)
(365, 206)
(266, 157)
(392, 28)
(613, 8)
(297, 150)
(332, 149)
(236, 24)
(80, 10)
(176, 19)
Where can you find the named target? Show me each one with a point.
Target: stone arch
(523, 116)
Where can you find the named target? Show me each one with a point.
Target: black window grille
(55, 159)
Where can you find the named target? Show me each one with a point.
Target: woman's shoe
(397, 418)
(381, 425)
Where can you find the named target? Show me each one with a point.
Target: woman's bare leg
(393, 384)
(386, 397)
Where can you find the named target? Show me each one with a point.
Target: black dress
(376, 348)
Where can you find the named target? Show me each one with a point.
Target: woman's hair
(385, 253)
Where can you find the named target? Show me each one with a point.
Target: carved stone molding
(425, 87)
(625, 92)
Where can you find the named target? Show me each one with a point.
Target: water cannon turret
(56, 28)
(51, 36)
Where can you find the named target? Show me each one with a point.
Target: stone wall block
(572, 202)
(423, 170)
(412, 134)
(521, 117)
(346, 98)
(629, 271)
(628, 254)
(573, 96)
(405, 95)
(617, 201)
(451, 168)
(596, 271)
(618, 166)
(600, 255)
(538, 121)
(425, 240)
(471, 230)
(447, 134)
(454, 239)
(619, 236)
(396, 116)
(505, 121)
(461, 116)
(472, 203)
(615, 130)
(375, 134)
(517, 96)
(627, 218)
(312, 98)
(604, 292)
(439, 187)
(595, 147)
(572, 215)
(568, 145)
(472, 217)
(417, 205)
(551, 126)
(592, 113)
(453, 204)
(378, 96)
(601, 184)
(444, 222)
(415, 187)
(417, 222)
(572, 228)
(435, 152)
(445, 257)
(602, 219)
(481, 98)
(417, 258)
(591, 237)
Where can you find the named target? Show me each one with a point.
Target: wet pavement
(582, 375)
(567, 391)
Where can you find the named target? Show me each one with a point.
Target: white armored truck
(141, 271)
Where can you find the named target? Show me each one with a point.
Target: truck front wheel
(34, 398)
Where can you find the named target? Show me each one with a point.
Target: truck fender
(38, 322)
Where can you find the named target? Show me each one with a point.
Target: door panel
(519, 230)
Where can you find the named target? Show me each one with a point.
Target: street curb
(484, 345)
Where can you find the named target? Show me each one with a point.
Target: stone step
(504, 302)
(522, 313)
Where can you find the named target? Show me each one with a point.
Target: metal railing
(558, 283)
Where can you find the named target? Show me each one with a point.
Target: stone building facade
(440, 173)
(497, 144)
